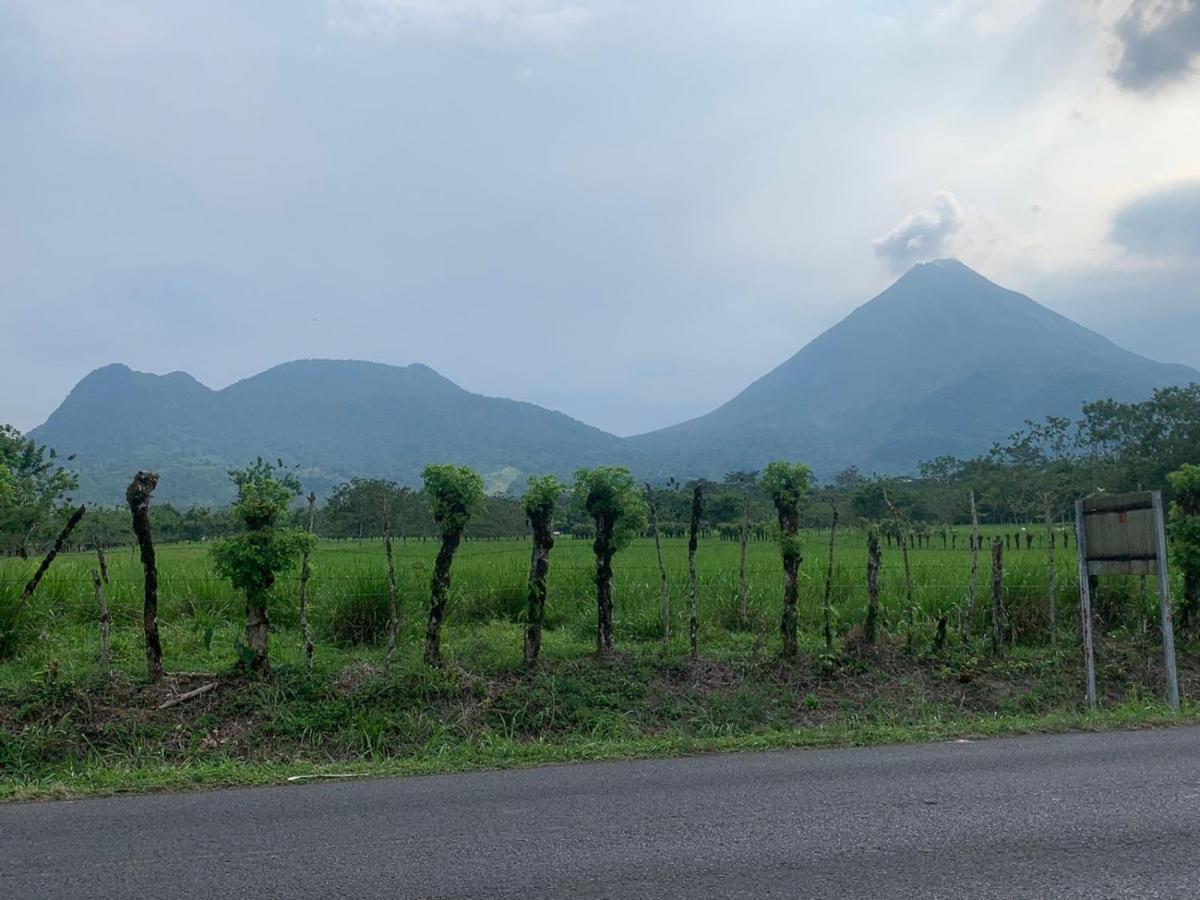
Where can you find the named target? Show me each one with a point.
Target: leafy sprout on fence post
(540, 501)
(611, 497)
(253, 559)
(455, 492)
(788, 484)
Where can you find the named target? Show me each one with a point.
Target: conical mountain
(943, 361)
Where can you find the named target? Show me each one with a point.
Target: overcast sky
(623, 209)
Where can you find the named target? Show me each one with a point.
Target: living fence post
(971, 585)
(305, 574)
(833, 524)
(874, 561)
(908, 584)
(393, 607)
(1051, 574)
(997, 596)
(1085, 606)
(693, 536)
(137, 495)
(664, 591)
(102, 608)
(743, 586)
(1164, 604)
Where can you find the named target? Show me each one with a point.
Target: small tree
(787, 484)
(33, 486)
(1185, 538)
(611, 497)
(253, 559)
(541, 500)
(455, 492)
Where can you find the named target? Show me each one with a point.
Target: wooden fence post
(693, 535)
(137, 495)
(833, 524)
(997, 597)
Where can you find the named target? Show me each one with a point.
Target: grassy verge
(68, 731)
(97, 780)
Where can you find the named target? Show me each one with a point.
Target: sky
(626, 210)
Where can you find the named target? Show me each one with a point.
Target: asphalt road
(1113, 815)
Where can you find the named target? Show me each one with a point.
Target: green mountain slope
(335, 419)
(943, 361)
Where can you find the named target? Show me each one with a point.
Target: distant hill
(943, 361)
(335, 419)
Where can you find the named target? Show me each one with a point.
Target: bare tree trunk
(258, 626)
(693, 534)
(833, 524)
(539, 570)
(305, 574)
(664, 591)
(997, 596)
(137, 495)
(393, 607)
(439, 593)
(1051, 570)
(908, 585)
(789, 525)
(102, 608)
(604, 615)
(973, 583)
(874, 562)
(787, 627)
(49, 558)
(743, 586)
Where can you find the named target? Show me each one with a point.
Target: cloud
(1164, 222)
(390, 21)
(923, 235)
(1160, 42)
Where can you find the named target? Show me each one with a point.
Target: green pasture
(201, 615)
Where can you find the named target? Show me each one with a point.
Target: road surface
(1111, 815)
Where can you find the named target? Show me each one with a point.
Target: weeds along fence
(349, 596)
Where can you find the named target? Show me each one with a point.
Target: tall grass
(349, 596)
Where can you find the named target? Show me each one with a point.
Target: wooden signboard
(1121, 535)
(1124, 534)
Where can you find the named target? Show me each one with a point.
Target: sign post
(1124, 534)
(1085, 604)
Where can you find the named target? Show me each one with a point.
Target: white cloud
(923, 235)
(387, 21)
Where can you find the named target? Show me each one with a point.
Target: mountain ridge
(942, 361)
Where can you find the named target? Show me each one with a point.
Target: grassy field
(67, 728)
(349, 591)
